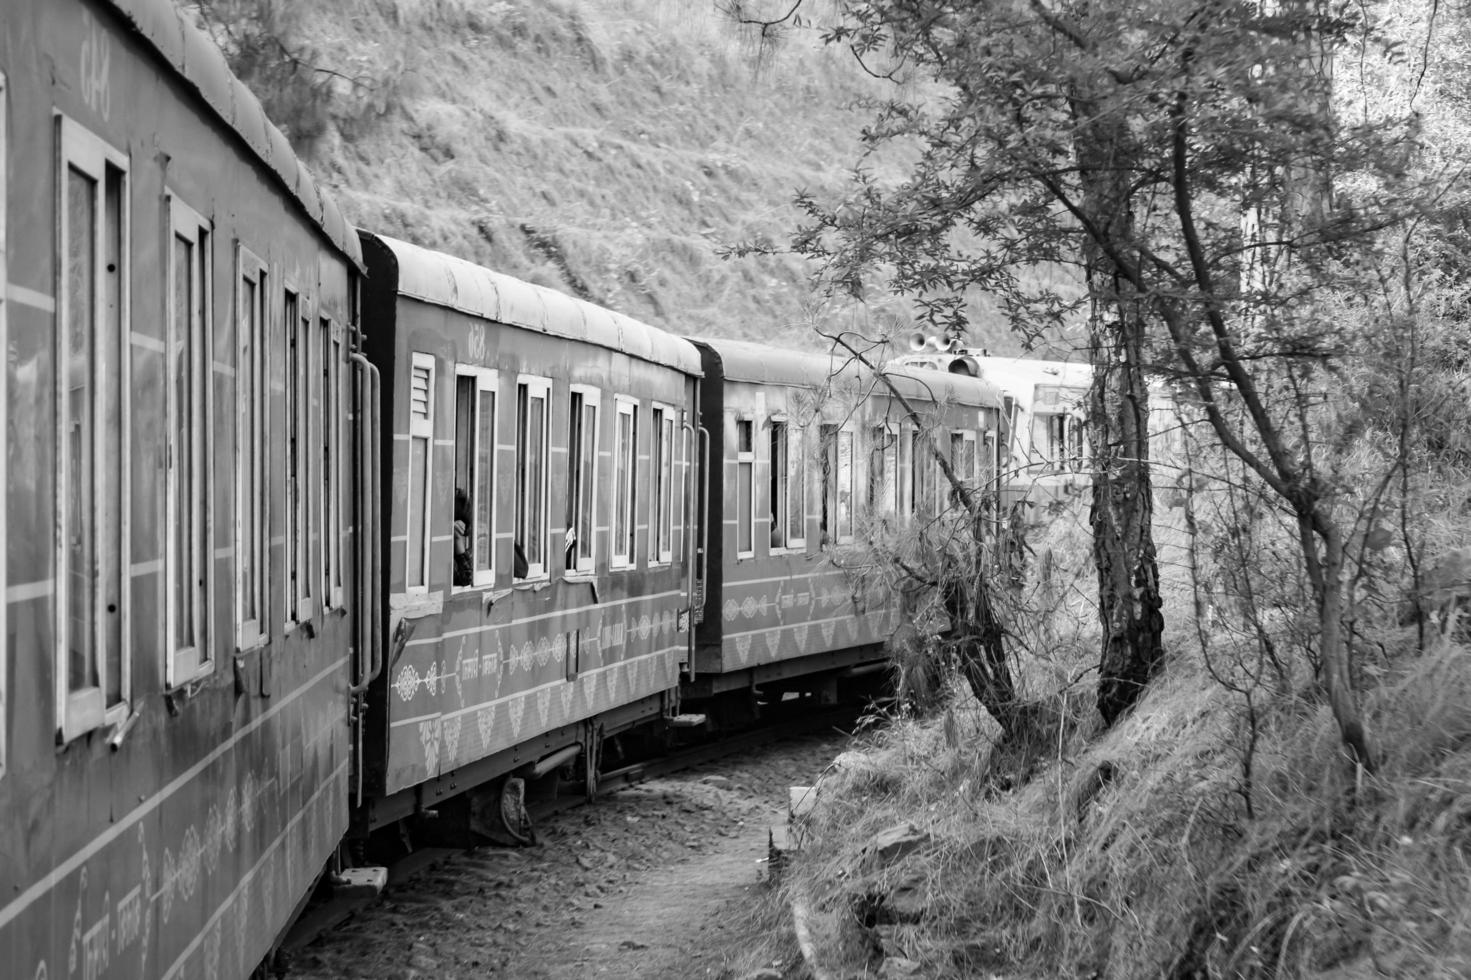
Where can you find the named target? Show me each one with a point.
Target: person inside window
(464, 568)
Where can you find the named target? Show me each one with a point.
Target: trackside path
(661, 881)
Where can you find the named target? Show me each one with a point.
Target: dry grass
(1156, 868)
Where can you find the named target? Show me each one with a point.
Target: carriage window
(532, 397)
(298, 458)
(421, 449)
(745, 487)
(474, 532)
(582, 481)
(625, 490)
(253, 517)
(332, 460)
(779, 461)
(92, 675)
(187, 405)
(963, 456)
(837, 484)
(920, 465)
(882, 469)
(661, 462)
(796, 487)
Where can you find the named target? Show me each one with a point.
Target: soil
(660, 881)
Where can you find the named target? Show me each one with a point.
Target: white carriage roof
(742, 360)
(458, 284)
(196, 60)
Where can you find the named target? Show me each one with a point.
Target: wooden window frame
(778, 481)
(333, 457)
(86, 708)
(832, 482)
(797, 473)
(486, 381)
(662, 430)
(184, 664)
(886, 500)
(300, 416)
(586, 484)
(745, 461)
(252, 463)
(420, 428)
(533, 386)
(624, 553)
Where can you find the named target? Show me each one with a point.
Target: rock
(767, 974)
(890, 845)
(897, 966)
(907, 901)
(632, 944)
(800, 801)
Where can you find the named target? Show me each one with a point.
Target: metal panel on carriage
(165, 797)
(800, 495)
(482, 373)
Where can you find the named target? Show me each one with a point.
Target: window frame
(297, 403)
(662, 430)
(832, 471)
(580, 483)
(778, 481)
(487, 381)
(85, 709)
(797, 473)
(745, 460)
(252, 463)
(624, 405)
(333, 458)
(886, 501)
(183, 665)
(421, 428)
(535, 386)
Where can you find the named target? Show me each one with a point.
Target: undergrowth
(1151, 850)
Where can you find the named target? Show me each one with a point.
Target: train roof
(743, 360)
(445, 280)
(196, 60)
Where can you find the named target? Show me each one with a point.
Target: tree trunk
(1118, 421)
(1123, 508)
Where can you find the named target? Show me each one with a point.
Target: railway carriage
(537, 521)
(179, 624)
(812, 461)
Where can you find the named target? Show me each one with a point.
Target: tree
(1186, 158)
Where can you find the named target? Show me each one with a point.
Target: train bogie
(177, 316)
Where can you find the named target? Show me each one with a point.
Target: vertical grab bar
(690, 549)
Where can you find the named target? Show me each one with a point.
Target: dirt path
(659, 882)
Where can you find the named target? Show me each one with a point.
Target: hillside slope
(610, 150)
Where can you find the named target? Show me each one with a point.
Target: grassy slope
(608, 149)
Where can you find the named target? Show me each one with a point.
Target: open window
(92, 670)
(582, 479)
(252, 519)
(883, 470)
(778, 457)
(837, 484)
(334, 456)
(796, 508)
(963, 457)
(473, 515)
(625, 487)
(299, 399)
(187, 409)
(661, 467)
(533, 399)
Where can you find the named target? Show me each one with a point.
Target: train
(313, 534)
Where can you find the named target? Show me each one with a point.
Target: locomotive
(309, 530)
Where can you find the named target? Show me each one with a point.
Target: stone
(800, 801)
(767, 974)
(897, 966)
(890, 845)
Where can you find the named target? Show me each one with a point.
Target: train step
(352, 889)
(687, 721)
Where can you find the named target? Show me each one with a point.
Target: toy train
(308, 530)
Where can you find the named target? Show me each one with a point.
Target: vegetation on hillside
(1267, 205)
(613, 151)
